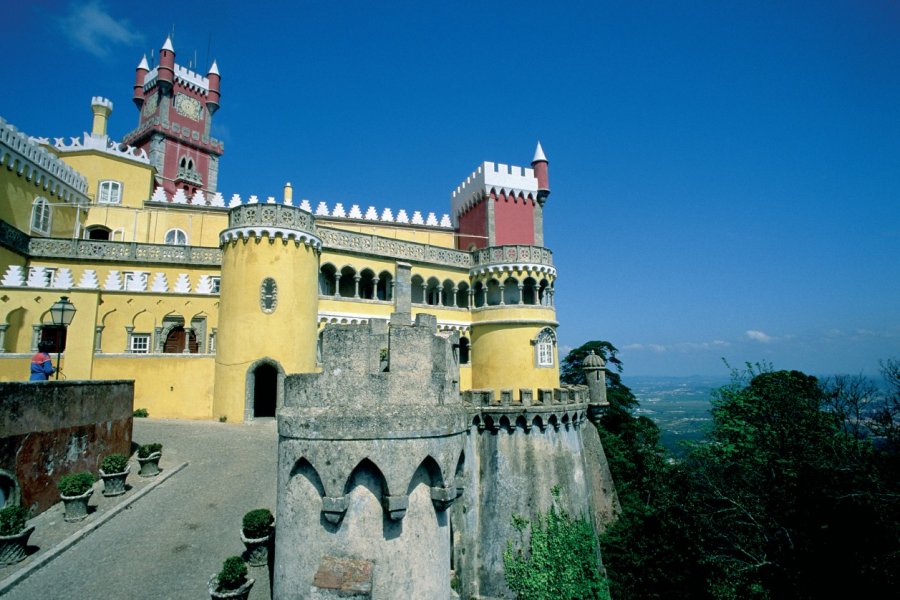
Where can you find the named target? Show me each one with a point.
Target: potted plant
(148, 458)
(256, 533)
(75, 490)
(231, 582)
(113, 470)
(14, 534)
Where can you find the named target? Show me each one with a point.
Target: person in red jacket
(41, 365)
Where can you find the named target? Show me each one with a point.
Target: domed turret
(594, 369)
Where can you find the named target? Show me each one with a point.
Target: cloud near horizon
(759, 336)
(90, 27)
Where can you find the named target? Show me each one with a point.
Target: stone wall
(50, 429)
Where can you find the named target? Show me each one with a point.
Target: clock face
(187, 107)
(150, 103)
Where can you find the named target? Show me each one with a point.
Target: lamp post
(61, 313)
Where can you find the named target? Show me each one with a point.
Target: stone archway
(265, 389)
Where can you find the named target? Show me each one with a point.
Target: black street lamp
(61, 314)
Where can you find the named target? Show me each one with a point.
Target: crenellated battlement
(28, 159)
(183, 75)
(496, 177)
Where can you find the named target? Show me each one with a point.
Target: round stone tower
(268, 307)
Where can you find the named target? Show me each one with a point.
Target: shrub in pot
(114, 470)
(75, 490)
(256, 533)
(231, 582)
(14, 534)
(148, 457)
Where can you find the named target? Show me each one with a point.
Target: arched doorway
(265, 390)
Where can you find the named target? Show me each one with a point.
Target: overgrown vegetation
(13, 520)
(257, 523)
(75, 484)
(141, 413)
(795, 493)
(149, 449)
(556, 559)
(233, 574)
(114, 464)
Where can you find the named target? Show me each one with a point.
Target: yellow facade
(184, 315)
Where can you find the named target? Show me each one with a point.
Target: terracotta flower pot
(114, 483)
(12, 547)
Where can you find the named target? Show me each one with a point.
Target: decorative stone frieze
(123, 252)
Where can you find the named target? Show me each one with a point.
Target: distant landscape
(679, 405)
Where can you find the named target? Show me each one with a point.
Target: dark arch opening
(265, 390)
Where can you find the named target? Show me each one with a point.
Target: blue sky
(726, 176)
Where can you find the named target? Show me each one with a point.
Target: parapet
(271, 220)
(510, 180)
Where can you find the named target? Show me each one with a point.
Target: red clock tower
(176, 109)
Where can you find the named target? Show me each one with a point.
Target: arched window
(464, 351)
(109, 192)
(40, 216)
(176, 237)
(543, 347)
(97, 232)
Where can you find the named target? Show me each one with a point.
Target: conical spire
(539, 154)
(168, 44)
(214, 69)
(143, 64)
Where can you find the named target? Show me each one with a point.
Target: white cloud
(90, 27)
(759, 336)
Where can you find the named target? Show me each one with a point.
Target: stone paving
(166, 535)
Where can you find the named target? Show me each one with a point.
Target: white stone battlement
(101, 101)
(102, 143)
(24, 155)
(183, 75)
(492, 176)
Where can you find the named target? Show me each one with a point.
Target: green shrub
(141, 412)
(13, 519)
(233, 573)
(148, 449)
(75, 484)
(257, 523)
(558, 561)
(114, 463)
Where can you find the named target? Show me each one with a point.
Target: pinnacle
(143, 64)
(539, 154)
(168, 45)
(214, 69)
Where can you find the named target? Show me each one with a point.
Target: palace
(208, 301)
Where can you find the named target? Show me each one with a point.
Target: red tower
(502, 205)
(176, 109)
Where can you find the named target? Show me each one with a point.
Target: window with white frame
(544, 343)
(139, 343)
(40, 216)
(109, 192)
(49, 276)
(215, 285)
(176, 237)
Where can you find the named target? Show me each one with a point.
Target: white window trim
(112, 184)
(41, 206)
(544, 343)
(174, 232)
(139, 343)
(215, 284)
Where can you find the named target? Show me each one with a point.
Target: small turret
(140, 76)
(539, 164)
(595, 374)
(102, 108)
(215, 80)
(288, 198)
(166, 69)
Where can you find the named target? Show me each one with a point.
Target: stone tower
(176, 108)
(268, 307)
(368, 457)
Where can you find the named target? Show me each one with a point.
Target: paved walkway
(169, 540)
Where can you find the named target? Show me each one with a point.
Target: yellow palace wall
(136, 178)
